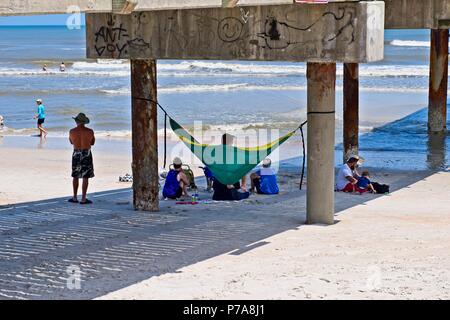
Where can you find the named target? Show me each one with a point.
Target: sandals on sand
(71, 200)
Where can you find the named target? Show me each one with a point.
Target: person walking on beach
(62, 67)
(82, 139)
(40, 116)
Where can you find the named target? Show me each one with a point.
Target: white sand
(38, 174)
(389, 247)
(394, 247)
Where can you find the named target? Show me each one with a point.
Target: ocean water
(223, 95)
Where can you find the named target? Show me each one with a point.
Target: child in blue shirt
(364, 184)
(40, 116)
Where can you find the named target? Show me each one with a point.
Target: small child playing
(364, 184)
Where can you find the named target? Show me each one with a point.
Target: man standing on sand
(40, 116)
(82, 139)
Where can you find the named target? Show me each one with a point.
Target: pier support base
(144, 135)
(437, 106)
(321, 140)
(351, 110)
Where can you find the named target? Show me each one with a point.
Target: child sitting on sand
(364, 184)
(264, 180)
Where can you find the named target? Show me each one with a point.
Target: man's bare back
(82, 138)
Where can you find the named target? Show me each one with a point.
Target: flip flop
(72, 201)
(86, 202)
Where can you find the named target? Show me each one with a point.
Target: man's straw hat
(81, 119)
(359, 159)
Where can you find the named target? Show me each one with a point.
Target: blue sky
(45, 20)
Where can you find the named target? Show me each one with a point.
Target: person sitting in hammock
(236, 191)
(264, 180)
(176, 181)
(228, 139)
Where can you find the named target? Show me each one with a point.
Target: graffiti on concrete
(113, 39)
(279, 34)
(241, 33)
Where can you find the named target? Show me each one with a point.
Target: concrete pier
(321, 137)
(336, 32)
(437, 106)
(144, 31)
(351, 110)
(144, 135)
(350, 32)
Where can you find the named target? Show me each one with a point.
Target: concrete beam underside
(344, 32)
(417, 14)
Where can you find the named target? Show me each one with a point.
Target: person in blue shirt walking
(264, 180)
(40, 116)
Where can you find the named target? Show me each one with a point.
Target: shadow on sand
(47, 246)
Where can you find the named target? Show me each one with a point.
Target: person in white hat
(264, 180)
(40, 116)
(176, 181)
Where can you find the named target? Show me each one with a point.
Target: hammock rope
(193, 143)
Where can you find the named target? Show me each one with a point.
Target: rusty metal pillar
(144, 135)
(436, 155)
(321, 139)
(351, 109)
(437, 105)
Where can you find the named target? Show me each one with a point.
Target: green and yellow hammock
(227, 163)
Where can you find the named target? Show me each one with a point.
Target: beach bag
(380, 188)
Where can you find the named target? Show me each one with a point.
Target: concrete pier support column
(351, 109)
(145, 135)
(437, 106)
(321, 140)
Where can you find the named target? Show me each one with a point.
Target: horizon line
(37, 25)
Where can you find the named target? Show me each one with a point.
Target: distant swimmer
(44, 68)
(62, 67)
(40, 116)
